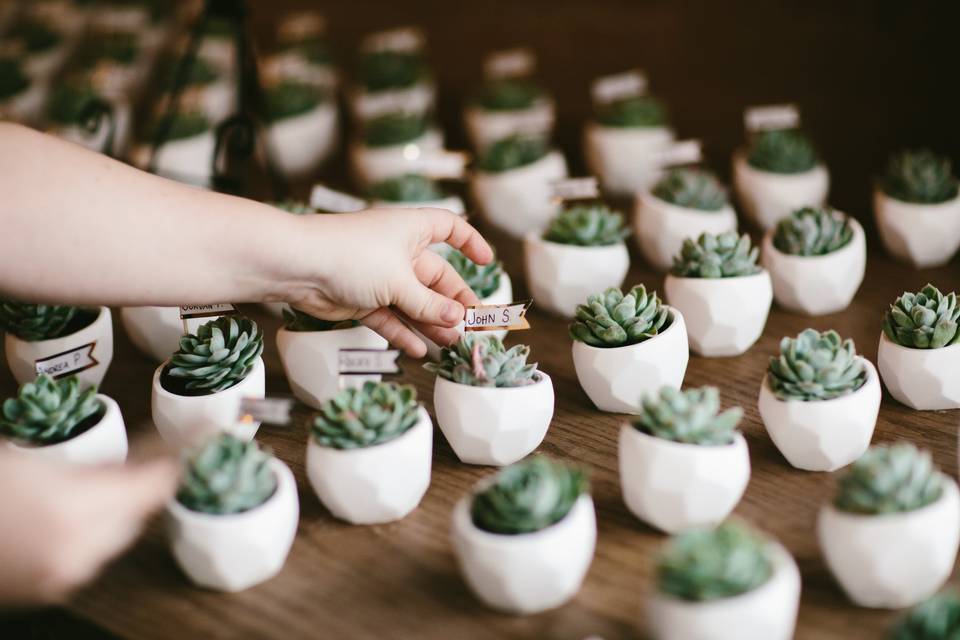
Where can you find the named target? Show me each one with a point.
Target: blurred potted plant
(392, 145)
(301, 126)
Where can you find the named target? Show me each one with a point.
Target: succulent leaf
(889, 479)
(716, 256)
(383, 70)
(484, 280)
(481, 360)
(612, 319)
(33, 322)
(634, 111)
(48, 411)
(813, 231)
(289, 98)
(587, 225)
(513, 152)
(218, 356)
(410, 187)
(920, 176)
(226, 475)
(924, 320)
(375, 413)
(392, 129)
(692, 189)
(782, 151)
(509, 94)
(936, 618)
(296, 320)
(690, 417)
(816, 366)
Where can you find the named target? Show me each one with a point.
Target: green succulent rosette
(726, 255)
(35, 322)
(481, 360)
(509, 94)
(388, 69)
(219, 355)
(226, 475)
(689, 417)
(919, 176)
(632, 112)
(926, 319)
(784, 151)
(48, 411)
(289, 99)
(484, 280)
(816, 366)
(615, 319)
(587, 225)
(813, 231)
(392, 129)
(936, 618)
(513, 152)
(692, 189)
(409, 187)
(889, 479)
(373, 414)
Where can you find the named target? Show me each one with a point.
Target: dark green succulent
(226, 475)
(634, 111)
(200, 74)
(612, 319)
(34, 322)
(782, 151)
(692, 189)
(296, 320)
(813, 231)
(509, 94)
(13, 80)
(117, 47)
(816, 366)
(35, 35)
(70, 99)
(726, 255)
(186, 124)
(936, 618)
(375, 413)
(383, 70)
(315, 51)
(482, 279)
(528, 496)
(290, 98)
(587, 225)
(48, 411)
(218, 356)
(296, 207)
(889, 479)
(923, 320)
(513, 152)
(481, 360)
(691, 417)
(394, 128)
(920, 176)
(410, 187)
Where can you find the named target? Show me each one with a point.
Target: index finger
(445, 226)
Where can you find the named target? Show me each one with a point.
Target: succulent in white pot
(59, 421)
(919, 354)
(43, 46)
(682, 204)
(117, 53)
(391, 145)
(156, 331)
(817, 258)
(778, 174)
(524, 539)
(491, 405)
(890, 535)
(303, 49)
(207, 82)
(369, 454)
(21, 97)
(301, 126)
(581, 251)
(414, 190)
(187, 153)
(682, 462)
(727, 583)
(235, 515)
(626, 346)
(69, 101)
(507, 106)
(936, 618)
(392, 77)
(917, 208)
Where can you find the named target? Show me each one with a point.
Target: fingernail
(451, 312)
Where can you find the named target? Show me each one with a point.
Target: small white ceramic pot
(895, 560)
(156, 331)
(484, 126)
(769, 612)
(96, 142)
(822, 435)
(420, 98)
(724, 316)
(923, 235)
(817, 285)
(189, 160)
(767, 197)
(185, 421)
(662, 227)
(103, 443)
(236, 551)
(925, 379)
(311, 360)
(371, 165)
(300, 144)
(561, 276)
(26, 107)
(373, 485)
(617, 378)
(528, 572)
(22, 355)
(625, 158)
(520, 200)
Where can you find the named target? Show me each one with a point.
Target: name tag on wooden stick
(771, 117)
(269, 410)
(493, 317)
(367, 362)
(206, 310)
(68, 362)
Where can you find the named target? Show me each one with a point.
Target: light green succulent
(315, 51)
(691, 417)
(936, 618)
(13, 79)
(375, 413)
(782, 151)
(920, 176)
(410, 187)
(296, 207)
(816, 366)
(200, 73)
(612, 319)
(383, 70)
(393, 129)
(692, 189)
(289, 99)
(220, 354)
(587, 225)
(48, 411)
(482, 279)
(889, 479)
(481, 360)
(633, 111)
(726, 255)
(296, 320)
(924, 320)
(509, 94)
(812, 231)
(226, 475)
(34, 322)
(513, 152)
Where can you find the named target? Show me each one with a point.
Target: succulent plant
(612, 319)
(782, 151)
(315, 51)
(513, 152)
(200, 74)
(816, 366)
(114, 46)
(410, 187)
(924, 320)
(48, 411)
(70, 99)
(700, 565)
(382, 70)
(587, 225)
(13, 80)
(481, 360)
(812, 231)
(296, 320)
(36, 35)
(889, 479)
(33, 322)
(394, 128)
(226, 475)
(187, 123)
(692, 189)
(289, 98)
(691, 417)
(528, 496)
(218, 356)
(634, 111)
(483, 279)
(726, 255)
(296, 207)
(936, 618)
(375, 413)
(920, 176)
(509, 94)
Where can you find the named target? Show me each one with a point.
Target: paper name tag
(771, 117)
(300, 26)
(510, 63)
(406, 39)
(680, 153)
(575, 189)
(368, 361)
(327, 199)
(490, 317)
(442, 164)
(206, 310)
(618, 86)
(269, 410)
(384, 102)
(68, 362)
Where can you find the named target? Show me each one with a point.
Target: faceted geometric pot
(661, 227)
(370, 165)
(484, 127)
(625, 158)
(923, 235)
(768, 197)
(924, 379)
(300, 144)
(156, 331)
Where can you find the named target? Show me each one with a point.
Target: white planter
(768, 197)
(300, 144)
(923, 235)
(561, 276)
(26, 107)
(662, 227)
(22, 355)
(724, 316)
(769, 612)
(817, 285)
(95, 142)
(419, 98)
(625, 158)
(617, 378)
(893, 560)
(925, 379)
(484, 127)
(528, 572)
(822, 435)
(373, 485)
(185, 421)
(311, 360)
(189, 160)
(235, 551)
(371, 165)
(103, 443)
(156, 331)
(520, 200)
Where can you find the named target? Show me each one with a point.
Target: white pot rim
(855, 241)
(890, 344)
(596, 124)
(40, 343)
(423, 421)
(726, 280)
(464, 510)
(551, 156)
(740, 156)
(280, 471)
(949, 492)
(164, 393)
(871, 375)
(536, 237)
(669, 207)
(541, 379)
(360, 146)
(110, 407)
(683, 447)
(323, 105)
(674, 314)
(544, 101)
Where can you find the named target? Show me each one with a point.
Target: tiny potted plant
(156, 331)
(414, 190)
(43, 46)
(581, 251)
(778, 174)
(37, 332)
(21, 97)
(936, 618)
(491, 405)
(727, 583)
(819, 401)
(117, 52)
(683, 204)
(69, 100)
(816, 257)
(919, 354)
(722, 293)
(187, 153)
(507, 106)
(524, 539)
(58, 420)
(235, 515)
(303, 48)
(198, 390)
(207, 79)
(917, 208)
(369, 454)
(391, 75)
(890, 535)
(625, 346)
(391, 145)
(301, 125)
(682, 462)
(512, 183)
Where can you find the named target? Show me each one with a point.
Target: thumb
(423, 304)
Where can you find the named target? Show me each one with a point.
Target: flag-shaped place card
(493, 317)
